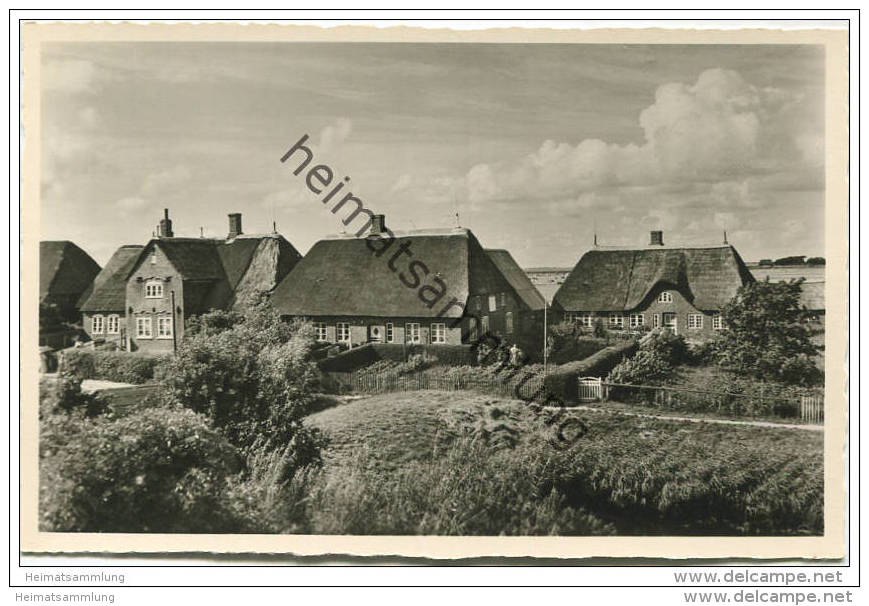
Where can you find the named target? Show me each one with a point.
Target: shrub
(119, 366)
(768, 334)
(654, 363)
(568, 342)
(253, 381)
(158, 470)
(562, 381)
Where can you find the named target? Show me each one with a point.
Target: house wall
(652, 308)
(119, 337)
(140, 306)
(361, 328)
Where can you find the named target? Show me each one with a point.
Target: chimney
(657, 238)
(164, 228)
(378, 224)
(234, 225)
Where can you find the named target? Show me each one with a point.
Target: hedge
(119, 366)
(562, 381)
(450, 355)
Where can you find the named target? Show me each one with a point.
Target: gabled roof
(64, 269)
(218, 273)
(517, 277)
(110, 286)
(341, 276)
(623, 279)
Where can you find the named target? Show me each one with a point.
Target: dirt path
(696, 419)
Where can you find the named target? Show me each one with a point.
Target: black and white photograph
(302, 286)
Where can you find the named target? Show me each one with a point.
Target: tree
(251, 375)
(816, 261)
(768, 334)
(765, 263)
(795, 260)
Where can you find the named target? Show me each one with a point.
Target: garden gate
(589, 389)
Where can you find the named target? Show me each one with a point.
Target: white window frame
(637, 320)
(412, 333)
(438, 333)
(508, 322)
(141, 325)
(616, 320)
(113, 324)
(390, 332)
(342, 332)
(98, 324)
(586, 320)
(717, 322)
(153, 289)
(164, 327)
(321, 333)
(665, 297)
(656, 320)
(695, 321)
(493, 303)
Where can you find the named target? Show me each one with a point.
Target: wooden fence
(809, 407)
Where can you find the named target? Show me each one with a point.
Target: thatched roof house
(675, 286)
(147, 293)
(66, 272)
(422, 286)
(109, 290)
(517, 277)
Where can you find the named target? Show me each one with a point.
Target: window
(617, 321)
(472, 328)
(665, 297)
(390, 333)
(493, 303)
(164, 328)
(485, 324)
(478, 303)
(508, 322)
(717, 322)
(586, 320)
(113, 326)
(154, 290)
(320, 331)
(438, 333)
(153, 258)
(411, 333)
(503, 299)
(656, 320)
(637, 320)
(97, 325)
(695, 321)
(143, 328)
(342, 329)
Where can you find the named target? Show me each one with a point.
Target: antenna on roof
(274, 227)
(725, 236)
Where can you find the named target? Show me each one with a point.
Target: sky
(535, 147)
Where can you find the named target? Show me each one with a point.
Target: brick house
(104, 306)
(173, 278)
(680, 288)
(436, 286)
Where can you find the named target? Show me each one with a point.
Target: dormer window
(153, 289)
(665, 297)
(153, 258)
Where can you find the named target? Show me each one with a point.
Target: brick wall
(154, 308)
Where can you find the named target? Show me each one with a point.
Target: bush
(568, 342)
(158, 470)
(654, 363)
(368, 354)
(119, 366)
(562, 381)
(254, 381)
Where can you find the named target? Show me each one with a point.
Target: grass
(434, 462)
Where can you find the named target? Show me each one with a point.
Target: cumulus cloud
(334, 135)
(131, 203)
(721, 139)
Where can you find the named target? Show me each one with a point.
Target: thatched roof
(517, 277)
(110, 286)
(64, 269)
(340, 276)
(812, 296)
(623, 279)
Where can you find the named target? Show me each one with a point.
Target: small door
(669, 321)
(376, 334)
